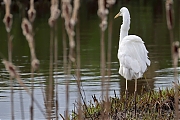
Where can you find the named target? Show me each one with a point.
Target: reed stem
(109, 59)
(65, 65)
(8, 24)
(11, 80)
(32, 95)
(56, 65)
(170, 25)
(21, 104)
(103, 25)
(78, 72)
(50, 75)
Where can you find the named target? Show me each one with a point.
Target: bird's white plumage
(132, 53)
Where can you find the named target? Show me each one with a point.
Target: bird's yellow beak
(117, 15)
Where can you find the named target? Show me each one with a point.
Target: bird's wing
(130, 63)
(132, 54)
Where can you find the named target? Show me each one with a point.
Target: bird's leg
(135, 93)
(126, 94)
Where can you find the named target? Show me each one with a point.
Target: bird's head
(122, 11)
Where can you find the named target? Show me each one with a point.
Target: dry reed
(21, 104)
(102, 13)
(110, 25)
(175, 47)
(174, 51)
(34, 60)
(31, 12)
(70, 17)
(64, 59)
(64, 50)
(54, 12)
(78, 71)
(28, 33)
(14, 73)
(66, 12)
(69, 25)
(73, 21)
(56, 66)
(50, 88)
(8, 20)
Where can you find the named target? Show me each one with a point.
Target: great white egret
(132, 53)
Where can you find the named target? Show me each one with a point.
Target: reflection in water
(148, 21)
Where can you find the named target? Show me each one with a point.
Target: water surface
(148, 20)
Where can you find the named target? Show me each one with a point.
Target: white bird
(132, 53)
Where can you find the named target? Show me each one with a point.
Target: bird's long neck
(125, 26)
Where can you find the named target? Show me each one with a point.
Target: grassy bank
(150, 105)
